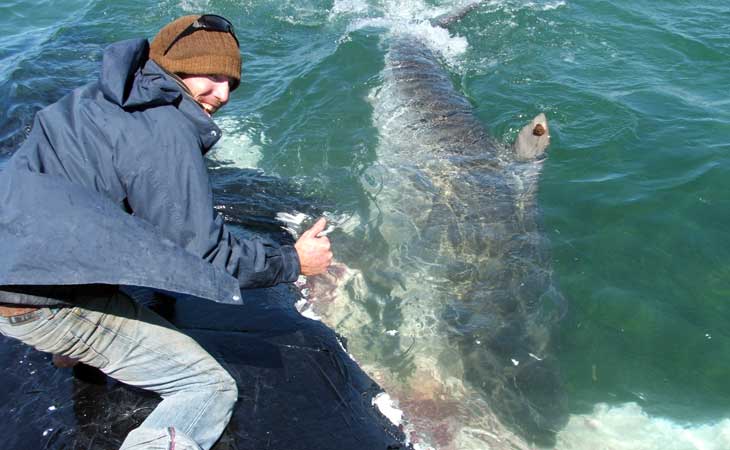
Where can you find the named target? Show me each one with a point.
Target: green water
(633, 194)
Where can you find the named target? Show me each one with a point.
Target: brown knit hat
(205, 52)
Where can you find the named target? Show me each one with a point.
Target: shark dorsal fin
(533, 139)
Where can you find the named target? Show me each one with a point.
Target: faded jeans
(132, 344)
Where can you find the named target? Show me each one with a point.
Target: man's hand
(314, 252)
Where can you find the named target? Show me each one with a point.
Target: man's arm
(169, 188)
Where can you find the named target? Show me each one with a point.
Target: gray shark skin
(458, 211)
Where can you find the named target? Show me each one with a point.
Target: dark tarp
(298, 389)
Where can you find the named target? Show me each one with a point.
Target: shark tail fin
(447, 20)
(533, 139)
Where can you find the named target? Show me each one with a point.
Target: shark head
(533, 139)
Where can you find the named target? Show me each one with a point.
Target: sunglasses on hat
(210, 22)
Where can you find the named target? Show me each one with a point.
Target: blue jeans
(134, 345)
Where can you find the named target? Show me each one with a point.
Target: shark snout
(533, 139)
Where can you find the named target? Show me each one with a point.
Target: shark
(459, 212)
(463, 278)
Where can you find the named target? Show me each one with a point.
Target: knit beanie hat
(204, 52)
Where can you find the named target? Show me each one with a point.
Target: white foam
(415, 16)
(349, 7)
(406, 17)
(236, 148)
(549, 6)
(627, 426)
(292, 222)
(310, 314)
(194, 6)
(388, 408)
(440, 40)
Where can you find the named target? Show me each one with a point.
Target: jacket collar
(207, 129)
(133, 81)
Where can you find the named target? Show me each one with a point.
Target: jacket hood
(130, 80)
(133, 81)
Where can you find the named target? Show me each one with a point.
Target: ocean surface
(633, 195)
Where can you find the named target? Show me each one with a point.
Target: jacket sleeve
(169, 188)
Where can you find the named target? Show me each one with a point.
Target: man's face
(210, 91)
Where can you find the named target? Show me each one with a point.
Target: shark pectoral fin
(533, 139)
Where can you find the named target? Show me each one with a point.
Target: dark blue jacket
(111, 188)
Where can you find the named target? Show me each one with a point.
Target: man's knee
(212, 376)
(228, 387)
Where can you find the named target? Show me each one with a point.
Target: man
(111, 189)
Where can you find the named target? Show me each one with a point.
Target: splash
(628, 427)
(549, 6)
(348, 7)
(413, 17)
(194, 6)
(236, 148)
